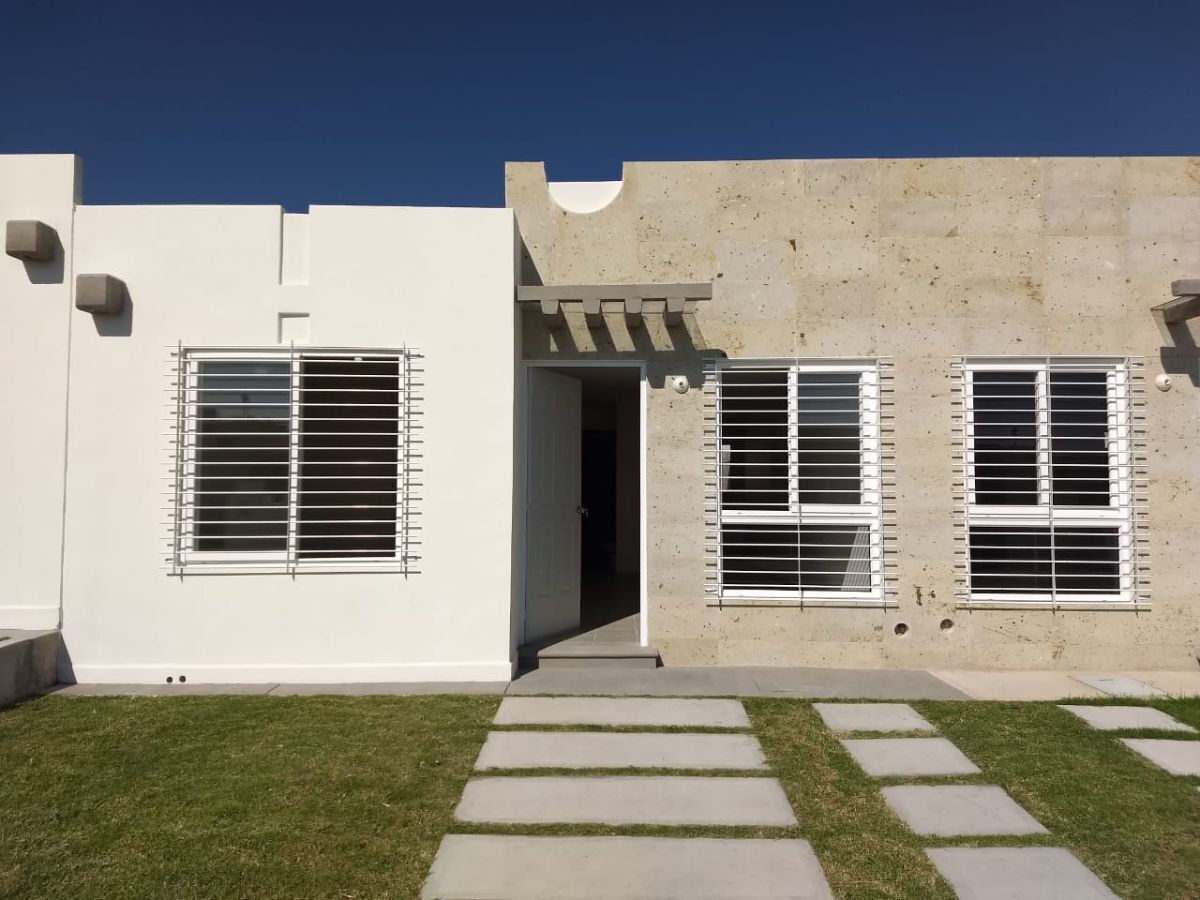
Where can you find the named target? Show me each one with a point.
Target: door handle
(582, 510)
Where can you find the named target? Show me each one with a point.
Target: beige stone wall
(920, 261)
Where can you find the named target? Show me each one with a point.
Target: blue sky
(345, 101)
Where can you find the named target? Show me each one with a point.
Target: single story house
(857, 413)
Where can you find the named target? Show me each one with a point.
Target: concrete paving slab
(601, 750)
(957, 810)
(852, 684)
(885, 757)
(1116, 718)
(1018, 873)
(498, 867)
(1016, 685)
(1177, 757)
(622, 711)
(1119, 685)
(1174, 683)
(871, 717)
(626, 800)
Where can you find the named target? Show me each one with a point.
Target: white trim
(643, 578)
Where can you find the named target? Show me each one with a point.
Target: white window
(290, 460)
(798, 493)
(1050, 484)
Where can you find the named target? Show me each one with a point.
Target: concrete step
(626, 800)
(622, 711)
(606, 750)
(497, 867)
(28, 663)
(576, 654)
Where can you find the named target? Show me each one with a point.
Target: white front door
(552, 526)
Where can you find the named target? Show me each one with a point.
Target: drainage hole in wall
(901, 629)
(947, 624)
(182, 679)
(169, 679)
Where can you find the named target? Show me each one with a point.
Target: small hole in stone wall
(901, 629)
(182, 679)
(169, 679)
(947, 624)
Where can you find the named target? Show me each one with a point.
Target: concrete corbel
(29, 239)
(552, 314)
(1184, 305)
(633, 313)
(99, 294)
(674, 311)
(593, 313)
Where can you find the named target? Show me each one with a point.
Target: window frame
(868, 513)
(1045, 514)
(184, 558)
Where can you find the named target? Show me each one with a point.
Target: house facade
(859, 413)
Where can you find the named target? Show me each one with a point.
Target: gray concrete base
(1018, 873)
(605, 750)
(471, 867)
(1177, 757)
(622, 711)
(348, 689)
(955, 810)
(28, 663)
(1117, 718)
(871, 717)
(886, 757)
(627, 800)
(1120, 685)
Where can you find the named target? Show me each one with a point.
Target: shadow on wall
(120, 325)
(1179, 354)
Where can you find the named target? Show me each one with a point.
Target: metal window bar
(1052, 517)
(288, 459)
(798, 467)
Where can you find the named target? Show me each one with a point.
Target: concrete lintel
(29, 239)
(593, 313)
(99, 294)
(581, 292)
(674, 311)
(552, 313)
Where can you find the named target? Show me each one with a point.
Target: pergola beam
(1185, 304)
(673, 299)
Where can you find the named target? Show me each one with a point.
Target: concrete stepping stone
(884, 757)
(955, 810)
(605, 750)
(1120, 685)
(499, 867)
(1177, 757)
(1116, 718)
(871, 717)
(626, 800)
(622, 711)
(1018, 873)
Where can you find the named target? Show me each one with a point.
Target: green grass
(1136, 826)
(348, 797)
(230, 797)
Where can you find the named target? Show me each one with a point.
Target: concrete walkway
(571, 867)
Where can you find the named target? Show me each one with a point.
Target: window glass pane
(759, 557)
(1010, 560)
(1004, 414)
(241, 470)
(754, 440)
(1079, 438)
(829, 437)
(835, 557)
(1087, 560)
(349, 444)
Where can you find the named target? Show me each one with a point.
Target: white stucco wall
(35, 302)
(440, 280)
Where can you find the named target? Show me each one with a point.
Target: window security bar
(799, 463)
(1054, 487)
(292, 459)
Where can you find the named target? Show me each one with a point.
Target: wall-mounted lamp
(29, 239)
(99, 294)
(680, 384)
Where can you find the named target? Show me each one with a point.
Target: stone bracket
(100, 294)
(29, 239)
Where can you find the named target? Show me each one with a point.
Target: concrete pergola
(1184, 305)
(594, 300)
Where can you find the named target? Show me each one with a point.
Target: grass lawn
(347, 797)
(229, 797)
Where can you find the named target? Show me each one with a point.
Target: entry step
(575, 653)
(498, 867)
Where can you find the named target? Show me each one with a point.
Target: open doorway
(584, 516)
